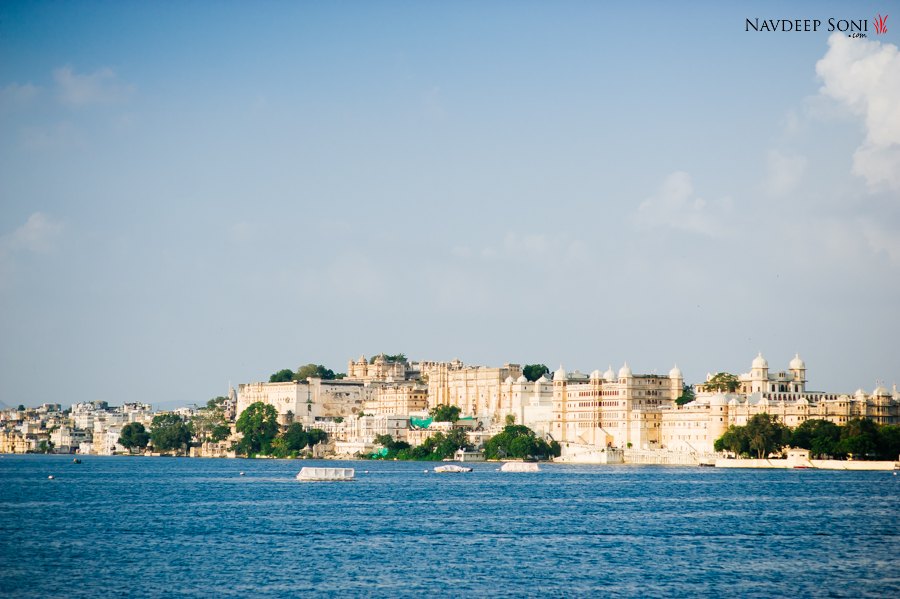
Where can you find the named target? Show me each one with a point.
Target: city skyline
(195, 195)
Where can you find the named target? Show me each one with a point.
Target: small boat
(76, 461)
(452, 468)
(312, 474)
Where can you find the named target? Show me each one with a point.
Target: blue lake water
(150, 527)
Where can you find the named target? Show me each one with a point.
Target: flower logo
(881, 24)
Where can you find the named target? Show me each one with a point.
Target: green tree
(389, 358)
(766, 434)
(258, 425)
(533, 372)
(517, 441)
(282, 376)
(734, 440)
(393, 447)
(216, 403)
(209, 423)
(169, 432)
(316, 436)
(444, 413)
(859, 437)
(724, 382)
(134, 435)
(889, 442)
(295, 438)
(820, 437)
(687, 395)
(316, 371)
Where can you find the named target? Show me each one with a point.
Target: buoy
(50, 477)
(242, 474)
(425, 471)
(366, 471)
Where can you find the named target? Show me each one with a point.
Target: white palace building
(695, 426)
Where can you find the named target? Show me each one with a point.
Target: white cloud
(865, 77)
(100, 87)
(882, 241)
(15, 95)
(532, 247)
(37, 235)
(784, 172)
(676, 206)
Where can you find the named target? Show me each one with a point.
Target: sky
(199, 194)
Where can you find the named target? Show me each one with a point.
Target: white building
(305, 401)
(610, 410)
(695, 426)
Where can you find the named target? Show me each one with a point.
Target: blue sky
(194, 194)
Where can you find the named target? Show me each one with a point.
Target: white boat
(452, 468)
(520, 467)
(312, 474)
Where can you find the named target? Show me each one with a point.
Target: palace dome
(595, 375)
(521, 379)
(760, 362)
(797, 363)
(509, 379)
(610, 374)
(625, 372)
(879, 390)
(717, 400)
(675, 373)
(560, 374)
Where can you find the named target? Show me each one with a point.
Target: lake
(150, 527)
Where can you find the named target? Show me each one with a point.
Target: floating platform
(312, 474)
(520, 467)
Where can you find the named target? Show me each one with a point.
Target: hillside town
(611, 416)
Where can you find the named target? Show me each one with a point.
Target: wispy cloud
(542, 248)
(865, 77)
(36, 235)
(676, 206)
(882, 241)
(100, 87)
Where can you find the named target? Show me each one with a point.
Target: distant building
(304, 401)
(380, 370)
(609, 410)
(695, 426)
(530, 403)
(476, 390)
(398, 398)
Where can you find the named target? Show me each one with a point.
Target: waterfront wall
(666, 457)
(575, 453)
(806, 463)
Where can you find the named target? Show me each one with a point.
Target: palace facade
(612, 409)
(694, 427)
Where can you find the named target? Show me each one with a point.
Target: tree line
(860, 438)
(172, 432)
(258, 425)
